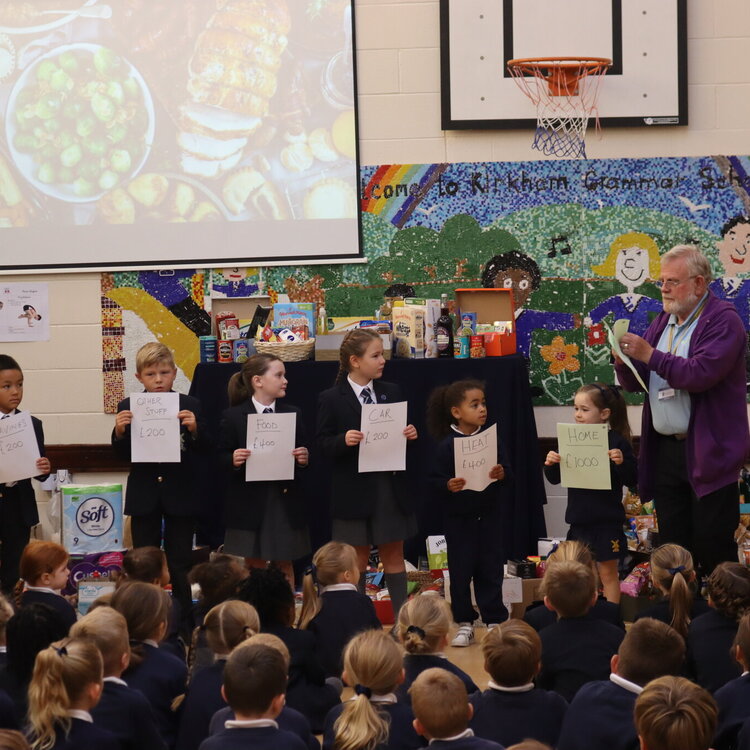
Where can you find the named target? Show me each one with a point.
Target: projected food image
(146, 113)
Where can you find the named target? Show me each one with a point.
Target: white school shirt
(260, 407)
(357, 388)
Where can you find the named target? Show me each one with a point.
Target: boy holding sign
(596, 516)
(18, 512)
(470, 486)
(162, 490)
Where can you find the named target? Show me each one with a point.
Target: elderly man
(694, 435)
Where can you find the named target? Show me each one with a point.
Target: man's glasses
(671, 283)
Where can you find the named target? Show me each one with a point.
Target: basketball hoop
(564, 91)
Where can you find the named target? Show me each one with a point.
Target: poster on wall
(92, 518)
(24, 312)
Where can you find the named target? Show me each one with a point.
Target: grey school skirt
(388, 523)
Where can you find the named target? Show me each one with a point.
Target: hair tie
(62, 651)
(362, 690)
(416, 629)
(675, 571)
(311, 570)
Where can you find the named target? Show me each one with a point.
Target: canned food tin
(462, 347)
(207, 346)
(241, 350)
(225, 351)
(476, 347)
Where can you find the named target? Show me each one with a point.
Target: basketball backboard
(645, 39)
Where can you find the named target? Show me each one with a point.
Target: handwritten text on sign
(270, 440)
(584, 458)
(384, 445)
(155, 429)
(474, 456)
(18, 448)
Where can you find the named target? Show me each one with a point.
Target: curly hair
(268, 590)
(729, 589)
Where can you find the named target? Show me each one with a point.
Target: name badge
(665, 394)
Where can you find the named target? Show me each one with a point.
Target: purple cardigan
(718, 440)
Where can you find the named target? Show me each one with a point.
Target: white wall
(399, 86)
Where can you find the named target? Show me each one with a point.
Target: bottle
(322, 323)
(444, 330)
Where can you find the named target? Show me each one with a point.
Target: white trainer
(464, 635)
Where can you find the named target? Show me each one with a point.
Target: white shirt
(115, 680)
(505, 689)
(45, 589)
(249, 723)
(465, 733)
(631, 687)
(357, 388)
(454, 427)
(76, 713)
(260, 407)
(340, 587)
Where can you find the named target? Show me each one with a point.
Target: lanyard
(685, 327)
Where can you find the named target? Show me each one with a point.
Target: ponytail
(423, 622)
(673, 572)
(240, 387)
(237, 390)
(360, 726)
(355, 344)
(311, 603)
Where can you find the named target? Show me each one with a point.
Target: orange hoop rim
(562, 74)
(532, 64)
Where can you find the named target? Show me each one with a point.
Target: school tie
(366, 396)
(268, 410)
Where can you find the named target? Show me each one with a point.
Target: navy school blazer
(246, 501)
(339, 410)
(171, 488)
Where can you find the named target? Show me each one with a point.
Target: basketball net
(564, 91)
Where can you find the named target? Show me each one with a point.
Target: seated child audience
(44, 573)
(340, 611)
(529, 745)
(6, 612)
(733, 699)
(289, 720)
(29, 631)
(601, 715)
(674, 576)
(309, 691)
(373, 717)
(674, 714)
(442, 712)
(65, 686)
(255, 681)
(159, 675)
(423, 625)
(149, 564)
(711, 635)
(576, 649)
(538, 616)
(512, 709)
(225, 626)
(121, 710)
(11, 739)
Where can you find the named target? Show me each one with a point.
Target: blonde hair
(273, 641)
(373, 664)
(673, 573)
(145, 608)
(573, 550)
(672, 713)
(152, 354)
(11, 739)
(423, 622)
(329, 563)
(512, 652)
(6, 612)
(570, 587)
(624, 241)
(62, 673)
(107, 629)
(440, 702)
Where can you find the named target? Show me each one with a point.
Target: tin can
(207, 346)
(461, 347)
(468, 321)
(241, 350)
(476, 347)
(225, 350)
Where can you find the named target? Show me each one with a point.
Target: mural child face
(734, 250)
(631, 266)
(519, 281)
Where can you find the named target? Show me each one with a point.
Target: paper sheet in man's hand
(614, 334)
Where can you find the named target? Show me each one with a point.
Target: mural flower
(596, 335)
(561, 356)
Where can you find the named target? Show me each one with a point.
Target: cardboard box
(408, 332)
(431, 309)
(288, 314)
(327, 346)
(90, 589)
(437, 552)
(491, 305)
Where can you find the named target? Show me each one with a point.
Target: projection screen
(167, 133)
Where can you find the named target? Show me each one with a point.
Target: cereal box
(408, 332)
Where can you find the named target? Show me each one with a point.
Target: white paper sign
(474, 456)
(18, 448)
(155, 429)
(24, 312)
(584, 456)
(270, 439)
(383, 447)
(614, 334)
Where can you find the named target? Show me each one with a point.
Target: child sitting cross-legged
(254, 686)
(576, 649)
(512, 709)
(442, 712)
(733, 698)
(601, 715)
(121, 710)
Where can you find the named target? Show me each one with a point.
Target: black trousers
(475, 553)
(178, 547)
(14, 536)
(704, 525)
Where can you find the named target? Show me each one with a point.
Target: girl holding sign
(472, 519)
(265, 519)
(375, 508)
(596, 516)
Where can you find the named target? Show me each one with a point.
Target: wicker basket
(288, 351)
